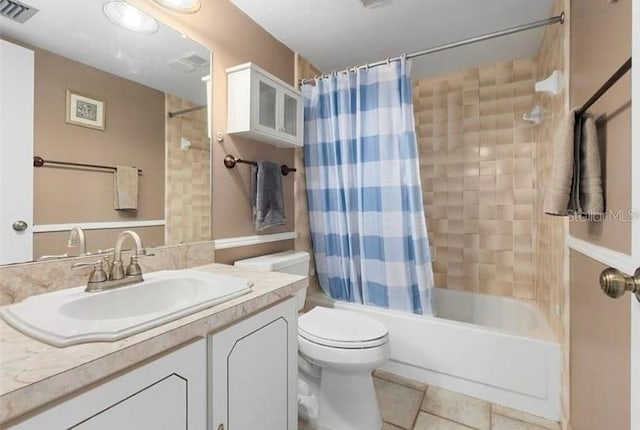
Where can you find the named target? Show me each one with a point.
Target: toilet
(337, 351)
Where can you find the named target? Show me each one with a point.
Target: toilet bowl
(337, 351)
(345, 347)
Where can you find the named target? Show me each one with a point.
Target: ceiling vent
(196, 60)
(188, 63)
(372, 4)
(16, 11)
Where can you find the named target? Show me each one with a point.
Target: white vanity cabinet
(254, 371)
(262, 107)
(166, 393)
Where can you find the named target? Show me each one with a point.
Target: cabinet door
(291, 115)
(168, 393)
(254, 372)
(265, 104)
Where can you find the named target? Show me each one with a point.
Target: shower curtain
(368, 228)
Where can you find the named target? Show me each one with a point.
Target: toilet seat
(341, 329)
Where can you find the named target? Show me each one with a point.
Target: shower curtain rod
(517, 29)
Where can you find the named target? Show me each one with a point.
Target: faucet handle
(134, 269)
(97, 276)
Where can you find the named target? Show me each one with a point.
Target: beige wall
(55, 243)
(134, 136)
(600, 348)
(600, 326)
(476, 164)
(235, 39)
(600, 43)
(188, 178)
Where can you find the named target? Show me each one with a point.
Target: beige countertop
(33, 373)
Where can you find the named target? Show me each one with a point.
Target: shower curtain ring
(388, 60)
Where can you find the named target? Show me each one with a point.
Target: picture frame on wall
(85, 111)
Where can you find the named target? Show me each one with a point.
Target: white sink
(73, 316)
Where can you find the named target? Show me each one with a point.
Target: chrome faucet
(106, 275)
(77, 238)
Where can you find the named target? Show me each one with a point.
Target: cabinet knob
(221, 427)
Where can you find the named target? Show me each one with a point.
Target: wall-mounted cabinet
(262, 107)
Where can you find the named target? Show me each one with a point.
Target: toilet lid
(341, 329)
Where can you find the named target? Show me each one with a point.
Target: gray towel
(267, 202)
(576, 177)
(125, 186)
(590, 193)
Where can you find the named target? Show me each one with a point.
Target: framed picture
(86, 111)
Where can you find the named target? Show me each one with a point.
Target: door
(605, 332)
(253, 365)
(291, 115)
(16, 153)
(266, 111)
(635, 181)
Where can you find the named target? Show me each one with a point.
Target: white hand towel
(125, 186)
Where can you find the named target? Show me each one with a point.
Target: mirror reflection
(119, 120)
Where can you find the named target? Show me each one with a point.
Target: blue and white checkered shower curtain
(368, 227)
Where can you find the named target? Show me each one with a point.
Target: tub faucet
(77, 238)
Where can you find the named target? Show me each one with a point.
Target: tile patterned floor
(410, 405)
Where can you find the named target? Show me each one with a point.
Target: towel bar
(39, 162)
(230, 162)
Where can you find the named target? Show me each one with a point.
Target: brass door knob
(614, 283)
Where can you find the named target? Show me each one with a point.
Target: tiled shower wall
(188, 177)
(552, 273)
(478, 176)
(551, 230)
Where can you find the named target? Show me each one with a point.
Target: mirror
(103, 96)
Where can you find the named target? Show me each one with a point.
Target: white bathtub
(494, 348)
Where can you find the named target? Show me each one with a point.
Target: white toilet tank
(293, 262)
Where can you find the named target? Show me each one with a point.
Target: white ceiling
(335, 34)
(78, 29)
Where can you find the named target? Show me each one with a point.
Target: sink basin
(72, 316)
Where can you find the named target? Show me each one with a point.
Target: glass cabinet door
(290, 115)
(267, 112)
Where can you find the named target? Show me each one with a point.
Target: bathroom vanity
(205, 370)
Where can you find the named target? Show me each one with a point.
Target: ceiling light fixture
(182, 6)
(124, 15)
